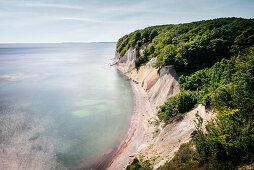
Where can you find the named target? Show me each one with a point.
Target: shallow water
(61, 105)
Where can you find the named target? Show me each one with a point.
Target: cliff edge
(147, 136)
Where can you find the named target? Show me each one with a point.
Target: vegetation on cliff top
(198, 88)
(191, 46)
(229, 139)
(216, 62)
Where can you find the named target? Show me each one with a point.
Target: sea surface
(62, 106)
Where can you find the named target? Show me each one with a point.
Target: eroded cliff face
(159, 142)
(158, 84)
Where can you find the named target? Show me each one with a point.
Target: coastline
(106, 160)
(147, 137)
(135, 135)
(123, 153)
(150, 88)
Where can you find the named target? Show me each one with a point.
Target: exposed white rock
(154, 87)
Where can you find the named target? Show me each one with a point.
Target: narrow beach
(135, 136)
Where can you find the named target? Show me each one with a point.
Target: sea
(62, 106)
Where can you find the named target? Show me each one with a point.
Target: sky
(52, 21)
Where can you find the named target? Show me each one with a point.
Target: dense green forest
(191, 46)
(215, 59)
(229, 139)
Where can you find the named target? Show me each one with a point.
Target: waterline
(62, 106)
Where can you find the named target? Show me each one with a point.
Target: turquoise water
(61, 105)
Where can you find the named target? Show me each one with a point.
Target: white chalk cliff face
(159, 84)
(159, 143)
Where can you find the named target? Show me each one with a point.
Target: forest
(191, 46)
(215, 63)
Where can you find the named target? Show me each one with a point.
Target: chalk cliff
(146, 137)
(158, 84)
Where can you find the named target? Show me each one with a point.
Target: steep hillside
(190, 46)
(151, 88)
(182, 67)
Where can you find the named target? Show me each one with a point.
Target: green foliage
(192, 46)
(139, 165)
(193, 156)
(230, 138)
(186, 158)
(198, 88)
(139, 61)
(201, 52)
(179, 104)
(137, 39)
(205, 81)
(239, 93)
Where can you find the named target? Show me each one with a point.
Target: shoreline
(135, 135)
(147, 137)
(126, 150)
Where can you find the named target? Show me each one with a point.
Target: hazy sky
(104, 20)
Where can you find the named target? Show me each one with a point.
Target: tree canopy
(191, 46)
(215, 59)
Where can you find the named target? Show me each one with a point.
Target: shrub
(139, 165)
(192, 46)
(179, 104)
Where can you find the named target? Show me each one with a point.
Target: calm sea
(61, 105)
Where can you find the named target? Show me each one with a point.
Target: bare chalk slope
(151, 88)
